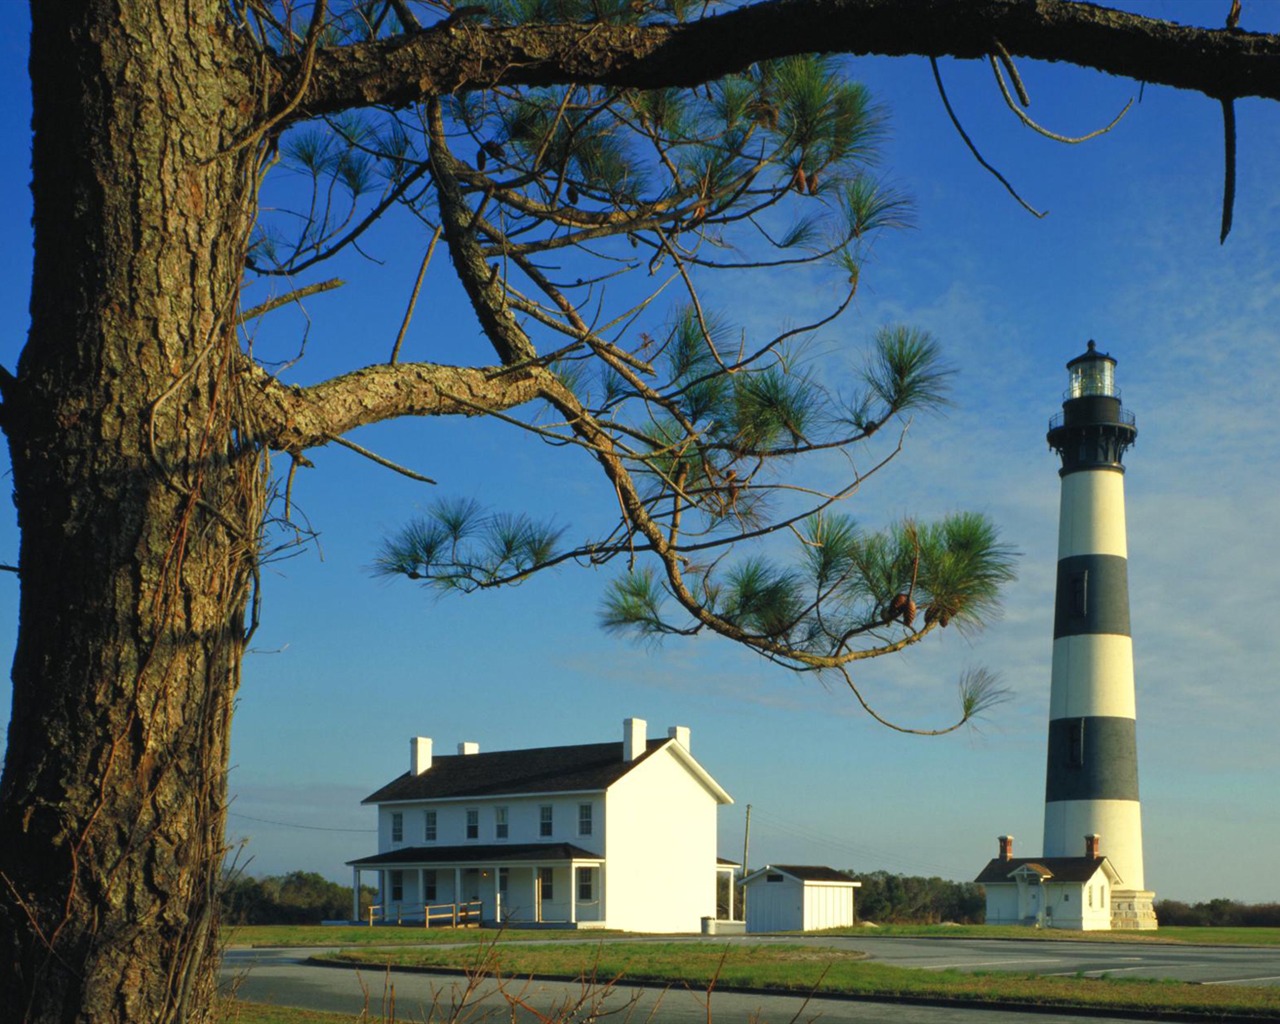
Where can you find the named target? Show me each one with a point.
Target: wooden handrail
(456, 913)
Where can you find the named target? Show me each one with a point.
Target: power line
(844, 846)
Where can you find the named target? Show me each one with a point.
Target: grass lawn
(360, 935)
(231, 1011)
(391, 935)
(814, 969)
(1199, 936)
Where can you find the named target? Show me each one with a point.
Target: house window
(1090, 895)
(584, 884)
(504, 880)
(429, 828)
(544, 820)
(545, 885)
(397, 826)
(584, 819)
(773, 878)
(1066, 898)
(397, 886)
(500, 828)
(1102, 895)
(429, 885)
(473, 823)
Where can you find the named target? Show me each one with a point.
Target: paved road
(280, 976)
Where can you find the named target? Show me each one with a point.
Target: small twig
(1023, 96)
(407, 21)
(955, 121)
(374, 457)
(308, 64)
(1070, 140)
(844, 671)
(1229, 167)
(293, 296)
(413, 298)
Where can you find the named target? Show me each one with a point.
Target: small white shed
(798, 898)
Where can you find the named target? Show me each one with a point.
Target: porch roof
(483, 853)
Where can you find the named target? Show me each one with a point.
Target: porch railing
(453, 915)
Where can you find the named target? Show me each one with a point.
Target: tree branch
(458, 57)
(293, 419)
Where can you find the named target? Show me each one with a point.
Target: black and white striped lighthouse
(1091, 784)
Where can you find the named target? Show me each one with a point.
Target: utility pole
(746, 845)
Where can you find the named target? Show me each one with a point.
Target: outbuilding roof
(1056, 869)
(804, 873)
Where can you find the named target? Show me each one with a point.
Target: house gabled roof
(475, 853)
(804, 873)
(582, 768)
(1049, 869)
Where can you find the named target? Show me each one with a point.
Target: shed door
(775, 906)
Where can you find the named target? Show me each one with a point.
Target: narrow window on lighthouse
(1075, 743)
(1080, 593)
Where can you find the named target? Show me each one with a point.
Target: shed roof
(804, 873)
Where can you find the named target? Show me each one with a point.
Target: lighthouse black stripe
(1092, 596)
(1093, 758)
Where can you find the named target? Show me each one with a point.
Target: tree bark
(140, 510)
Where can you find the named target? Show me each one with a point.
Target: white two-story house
(618, 835)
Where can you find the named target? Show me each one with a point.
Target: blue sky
(347, 667)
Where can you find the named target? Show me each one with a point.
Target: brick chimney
(1091, 843)
(633, 738)
(680, 733)
(1006, 847)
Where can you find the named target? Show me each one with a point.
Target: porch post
(383, 892)
(573, 893)
(422, 892)
(497, 895)
(537, 896)
(355, 894)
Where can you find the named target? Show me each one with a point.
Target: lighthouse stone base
(1133, 910)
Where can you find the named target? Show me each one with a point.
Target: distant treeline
(300, 897)
(908, 899)
(1219, 913)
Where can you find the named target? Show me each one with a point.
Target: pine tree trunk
(140, 513)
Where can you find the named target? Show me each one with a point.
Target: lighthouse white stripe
(1092, 675)
(1091, 514)
(1118, 822)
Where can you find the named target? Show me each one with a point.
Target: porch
(519, 884)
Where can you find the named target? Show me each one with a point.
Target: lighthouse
(1091, 785)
